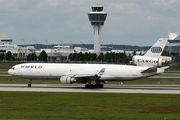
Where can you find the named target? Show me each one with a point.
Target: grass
(72, 106)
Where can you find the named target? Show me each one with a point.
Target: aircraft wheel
(96, 86)
(92, 86)
(87, 86)
(29, 85)
(101, 85)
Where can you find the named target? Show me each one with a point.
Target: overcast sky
(128, 22)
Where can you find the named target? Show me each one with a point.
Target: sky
(128, 22)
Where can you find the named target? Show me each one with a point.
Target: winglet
(101, 72)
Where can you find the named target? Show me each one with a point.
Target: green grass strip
(97, 106)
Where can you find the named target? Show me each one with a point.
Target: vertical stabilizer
(157, 49)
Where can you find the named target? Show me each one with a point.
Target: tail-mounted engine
(148, 61)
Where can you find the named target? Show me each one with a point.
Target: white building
(17, 51)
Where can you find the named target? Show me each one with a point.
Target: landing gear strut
(29, 82)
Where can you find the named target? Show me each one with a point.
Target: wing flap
(83, 75)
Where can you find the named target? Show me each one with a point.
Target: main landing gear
(29, 82)
(97, 85)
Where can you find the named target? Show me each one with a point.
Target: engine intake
(67, 80)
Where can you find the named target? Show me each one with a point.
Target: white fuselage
(57, 70)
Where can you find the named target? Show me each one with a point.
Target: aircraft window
(13, 68)
(32, 66)
(22, 66)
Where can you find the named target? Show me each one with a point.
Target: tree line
(109, 57)
(30, 57)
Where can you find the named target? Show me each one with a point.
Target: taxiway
(155, 89)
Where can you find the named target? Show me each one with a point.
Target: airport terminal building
(58, 52)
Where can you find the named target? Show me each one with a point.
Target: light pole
(102, 46)
(47, 43)
(36, 43)
(24, 47)
(81, 43)
(72, 46)
(23, 41)
(112, 53)
(112, 45)
(61, 42)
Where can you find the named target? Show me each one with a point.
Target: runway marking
(156, 89)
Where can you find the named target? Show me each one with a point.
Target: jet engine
(67, 80)
(148, 61)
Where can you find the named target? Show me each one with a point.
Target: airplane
(153, 56)
(84, 73)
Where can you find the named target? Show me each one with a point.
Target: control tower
(6, 41)
(97, 18)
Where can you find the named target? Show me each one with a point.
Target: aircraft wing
(83, 75)
(95, 76)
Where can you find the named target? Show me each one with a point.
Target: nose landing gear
(29, 82)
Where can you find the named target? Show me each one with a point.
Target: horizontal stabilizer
(150, 70)
(161, 70)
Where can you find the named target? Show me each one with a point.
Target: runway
(155, 89)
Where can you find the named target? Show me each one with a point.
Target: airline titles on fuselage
(147, 61)
(32, 66)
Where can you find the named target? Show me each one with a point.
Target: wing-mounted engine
(67, 80)
(148, 61)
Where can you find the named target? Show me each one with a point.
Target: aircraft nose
(10, 71)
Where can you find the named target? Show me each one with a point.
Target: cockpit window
(13, 68)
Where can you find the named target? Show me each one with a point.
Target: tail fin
(157, 49)
(153, 56)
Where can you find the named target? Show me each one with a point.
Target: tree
(70, 57)
(43, 56)
(101, 57)
(34, 56)
(2, 56)
(8, 55)
(29, 57)
(134, 53)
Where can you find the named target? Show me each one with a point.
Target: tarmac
(149, 89)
